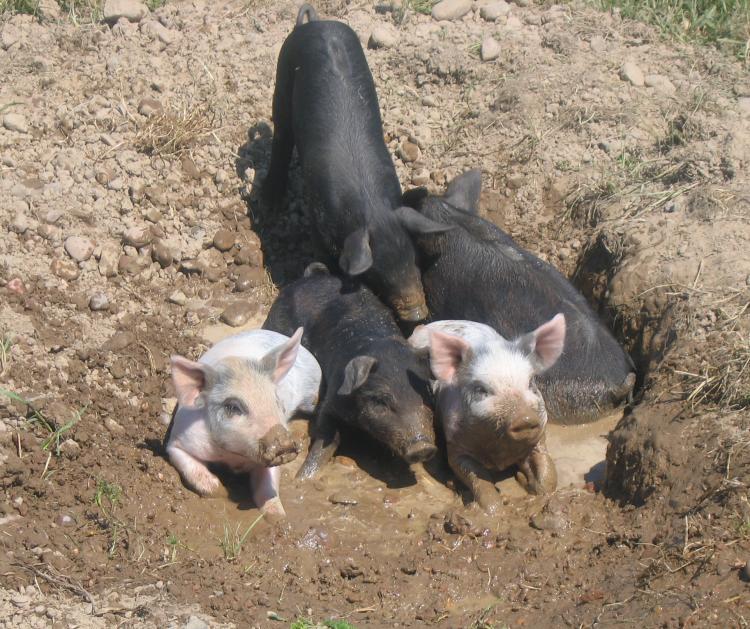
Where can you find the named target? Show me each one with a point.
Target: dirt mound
(131, 157)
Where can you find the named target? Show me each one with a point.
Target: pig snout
(419, 451)
(411, 307)
(525, 424)
(413, 314)
(277, 447)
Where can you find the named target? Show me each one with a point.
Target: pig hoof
(273, 509)
(490, 503)
(205, 483)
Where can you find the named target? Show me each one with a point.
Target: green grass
(232, 541)
(107, 496)
(19, 6)
(5, 344)
(724, 23)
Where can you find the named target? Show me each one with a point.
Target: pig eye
(479, 390)
(233, 407)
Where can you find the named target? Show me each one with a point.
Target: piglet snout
(277, 447)
(526, 424)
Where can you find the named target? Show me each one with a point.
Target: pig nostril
(420, 451)
(526, 424)
(418, 313)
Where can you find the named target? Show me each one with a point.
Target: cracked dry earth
(131, 155)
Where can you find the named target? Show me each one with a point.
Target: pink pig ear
(547, 342)
(447, 352)
(280, 360)
(189, 380)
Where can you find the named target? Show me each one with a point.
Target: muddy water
(367, 497)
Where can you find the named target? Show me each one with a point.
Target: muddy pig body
(372, 378)
(325, 104)
(492, 412)
(477, 272)
(233, 407)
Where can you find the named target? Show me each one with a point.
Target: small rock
(79, 248)
(553, 522)
(341, 498)
(238, 313)
(631, 73)
(598, 44)
(156, 29)
(177, 297)
(108, 261)
(382, 37)
(513, 24)
(195, 623)
(162, 254)
(15, 122)
(451, 9)
(744, 105)
(421, 177)
(494, 10)
(137, 237)
(224, 240)
(99, 302)
(131, 265)
(490, 49)
(16, 285)
(119, 341)
(408, 151)
(129, 9)
(19, 224)
(149, 106)
(70, 449)
(113, 427)
(65, 269)
(660, 83)
(247, 277)
(65, 520)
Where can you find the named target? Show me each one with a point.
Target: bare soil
(151, 140)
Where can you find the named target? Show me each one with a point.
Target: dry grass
(722, 372)
(177, 129)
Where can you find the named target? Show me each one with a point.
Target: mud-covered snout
(525, 424)
(411, 306)
(277, 447)
(419, 451)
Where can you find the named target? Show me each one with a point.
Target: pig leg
(537, 473)
(477, 478)
(264, 484)
(324, 444)
(283, 138)
(194, 473)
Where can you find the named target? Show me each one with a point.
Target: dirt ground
(131, 155)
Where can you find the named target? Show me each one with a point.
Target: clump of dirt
(132, 155)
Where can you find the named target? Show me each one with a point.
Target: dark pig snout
(414, 314)
(419, 451)
(277, 447)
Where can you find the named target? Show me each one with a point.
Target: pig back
(477, 272)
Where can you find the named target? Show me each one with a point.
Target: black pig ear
(356, 257)
(416, 224)
(355, 374)
(463, 192)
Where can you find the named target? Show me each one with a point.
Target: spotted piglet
(233, 408)
(492, 413)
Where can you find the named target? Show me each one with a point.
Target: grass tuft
(723, 23)
(175, 130)
(232, 541)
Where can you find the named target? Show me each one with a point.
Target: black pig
(373, 379)
(477, 272)
(325, 104)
